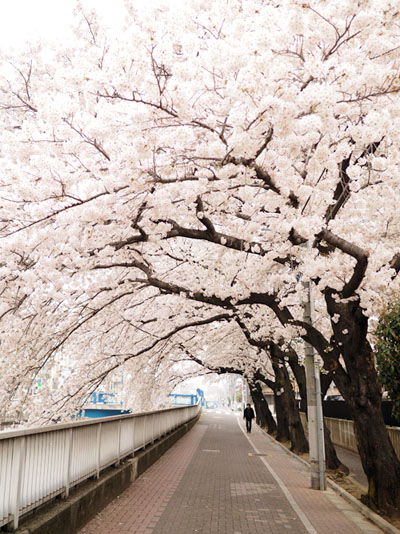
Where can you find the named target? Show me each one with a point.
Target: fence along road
(37, 464)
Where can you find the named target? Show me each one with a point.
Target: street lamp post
(314, 404)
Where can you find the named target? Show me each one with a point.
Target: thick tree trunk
(358, 384)
(331, 460)
(378, 457)
(264, 416)
(282, 420)
(298, 438)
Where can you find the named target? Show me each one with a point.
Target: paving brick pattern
(320, 508)
(218, 480)
(226, 491)
(139, 507)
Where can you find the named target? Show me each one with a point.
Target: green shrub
(387, 351)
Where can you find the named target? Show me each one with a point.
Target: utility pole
(314, 404)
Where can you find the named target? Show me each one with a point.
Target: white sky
(25, 20)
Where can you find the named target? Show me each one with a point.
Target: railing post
(17, 473)
(118, 444)
(23, 490)
(67, 462)
(133, 436)
(98, 449)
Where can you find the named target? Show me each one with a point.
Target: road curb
(367, 512)
(384, 525)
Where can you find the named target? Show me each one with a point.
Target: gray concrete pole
(314, 405)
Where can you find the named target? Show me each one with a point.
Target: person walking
(248, 414)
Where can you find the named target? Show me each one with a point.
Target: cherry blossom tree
(212, 157)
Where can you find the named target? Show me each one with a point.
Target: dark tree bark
(281, 411)
(298, 438)
(261, 405)
(348, 356)
(282, 419)
(264, 417)
(359, 387)
(331, 459)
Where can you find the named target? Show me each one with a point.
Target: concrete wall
(68, 516)
(342, 433)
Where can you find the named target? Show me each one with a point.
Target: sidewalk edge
(384, 525)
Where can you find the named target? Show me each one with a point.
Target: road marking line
(303, 518)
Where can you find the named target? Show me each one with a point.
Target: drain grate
(257, 454)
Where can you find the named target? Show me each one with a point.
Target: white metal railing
(342, 433)
(37, 464)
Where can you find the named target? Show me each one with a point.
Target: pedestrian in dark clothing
(248, 414)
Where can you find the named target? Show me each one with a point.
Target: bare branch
(352, 250)
(61, 210)
(93, 142)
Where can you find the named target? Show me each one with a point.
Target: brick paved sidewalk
(218, 480)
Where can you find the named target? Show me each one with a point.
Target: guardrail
(37, 464)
